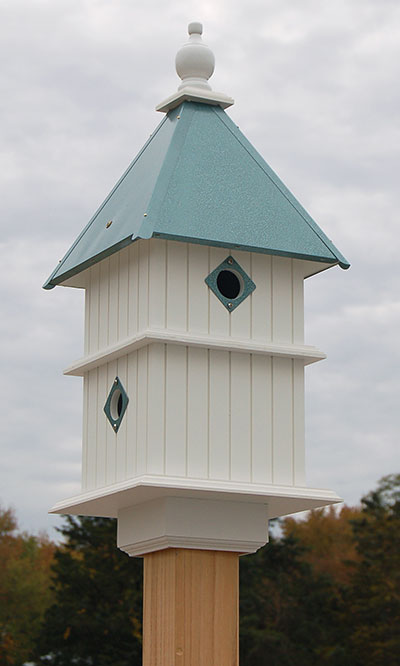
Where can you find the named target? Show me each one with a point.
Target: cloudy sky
(316, 86)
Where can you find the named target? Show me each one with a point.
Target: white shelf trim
(108, 500)
(307, 353)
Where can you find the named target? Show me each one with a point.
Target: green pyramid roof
(198, 179)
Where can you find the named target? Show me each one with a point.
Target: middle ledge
(149, 336)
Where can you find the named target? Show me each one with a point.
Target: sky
(316, 89)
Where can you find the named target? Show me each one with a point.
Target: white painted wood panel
(123, 293)
(241, 422)
(219, 425)
(298, 302)
(132, 415)
(113, 299)
(85, 405)
(143, 285)
(142, 411)
(102, 424)
(156, 410)
(104, 288)
(298, 424)
(261, 310)
(157, 283)
(94, 305)
(88, 292)
(197, 434)
(281, 300)
(91, 390)
(176, 411)
(282, 415)
(198, 300)
(261, 419)
(121, 437)
(177, 285)
(133, 288)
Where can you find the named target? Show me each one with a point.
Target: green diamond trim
(230, 283)
(116, 404)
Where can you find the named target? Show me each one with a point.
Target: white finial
(195, 61)
(194, 64)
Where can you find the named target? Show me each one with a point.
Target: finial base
(189, 94)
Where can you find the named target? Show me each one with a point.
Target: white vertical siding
(262, 432)
(197, 427)
(142, 410)
(157, 284)
(100, 443)
(155, 463)
(131, 415)
(123, 295)
(198, 291)
(160, 284)
(177, 286)
(132, 303)
(241, 421)
(113, 300)
(261, 310)
(298, 424)
(176, 410)
(193, 411)
(282, 421)
(298, 303)
(197, 413)
(93, 304)
(219, 418)
(104, 301)
(143, 285)
(282, 305)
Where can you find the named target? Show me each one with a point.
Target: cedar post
(190, 614)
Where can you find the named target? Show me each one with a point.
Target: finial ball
(195, 28)
(195, 61)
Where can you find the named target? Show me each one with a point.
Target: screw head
(230, 305)
(230, 260)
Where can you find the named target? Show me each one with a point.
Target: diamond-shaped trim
(246, 285)
(116, 404)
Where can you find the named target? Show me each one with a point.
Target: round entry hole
(116, 405)
(229, 284)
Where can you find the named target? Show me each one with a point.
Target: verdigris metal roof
(198, 179)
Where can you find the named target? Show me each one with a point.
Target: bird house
(193, 368)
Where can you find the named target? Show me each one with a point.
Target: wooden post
(191, 608)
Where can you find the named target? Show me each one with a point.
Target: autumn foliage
(25, 594)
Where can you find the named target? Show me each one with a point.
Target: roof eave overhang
(321, 263)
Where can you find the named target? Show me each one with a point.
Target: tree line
(325, 590)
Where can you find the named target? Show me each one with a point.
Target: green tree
(289, 615)
(374, 594)
(25, 593)
(96, 616)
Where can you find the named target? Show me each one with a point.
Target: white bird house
(193, 372)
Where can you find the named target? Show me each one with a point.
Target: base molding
(199, 524)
